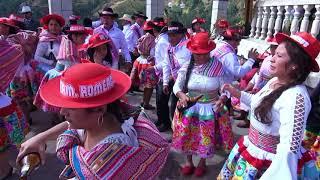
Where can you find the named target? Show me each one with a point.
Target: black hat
(108, 12)
(176, 27)
(139, 14)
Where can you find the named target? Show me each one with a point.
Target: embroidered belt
(207, 97)
(263, 141)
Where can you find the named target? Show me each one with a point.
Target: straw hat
(126, 17)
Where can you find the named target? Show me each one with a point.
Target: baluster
(278, 24)
(272, 20)
(295, 22)
(316, 22)
(259, 21)
(286, 19)
(305, 21)
(266, 14)
(253, 25)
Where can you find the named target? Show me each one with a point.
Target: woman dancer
(88, 95)
(279, 112)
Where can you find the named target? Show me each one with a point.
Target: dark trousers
(164, 112)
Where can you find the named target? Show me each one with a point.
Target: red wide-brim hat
(307, 42)
(200, 43)
(8, 22)
(79, 29)
(97, 40)
(148, 25)
(45, 20)
(72, 81)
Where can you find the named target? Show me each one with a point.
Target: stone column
(154, 8)
(295, 22)
(264, 29)
(271, 21)
(278, 24)
(219, 11)
(61, 7)
(253, 25)
(316, 22)
(305, 21)
(259, 22)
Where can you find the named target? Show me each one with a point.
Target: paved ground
(52, 167)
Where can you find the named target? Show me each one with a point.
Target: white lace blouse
(289, 114)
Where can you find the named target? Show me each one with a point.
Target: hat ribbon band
(173, 28)
(86, 91)
(300, 40)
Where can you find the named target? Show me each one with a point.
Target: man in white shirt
(175, 56)
(126, 22)
(135, 33)
(108, 26)
(226, 53)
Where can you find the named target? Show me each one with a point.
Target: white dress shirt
(162, 44)
(118, 39)
(134, 34)
(181, 55)
(231, 65)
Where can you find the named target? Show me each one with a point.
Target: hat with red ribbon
(222, 23)
(198, 20)
(85, 85)
(77, 28)
(201, 43)
(272, 41)
(8, 22)
(148, 25)
(307, 42)
(97, 40)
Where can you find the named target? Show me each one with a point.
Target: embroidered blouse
(289, 114)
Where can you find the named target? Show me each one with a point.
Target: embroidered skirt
(309, 163)
(40, 70)
(38, 100)
(198, 130)
(13, 127)
(143, 78)
(23, 87)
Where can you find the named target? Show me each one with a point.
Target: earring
(100, 120)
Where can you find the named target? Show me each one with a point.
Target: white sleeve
(254, 79)
(124, 47)
(231, 63)
(115, 63)
(178, 85)
(166, 69)
(293, 117)
(246, 98)
(130, 37)
(42, 48)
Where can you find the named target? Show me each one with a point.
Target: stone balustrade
(290, 16)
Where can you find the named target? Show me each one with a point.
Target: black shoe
(164, 128)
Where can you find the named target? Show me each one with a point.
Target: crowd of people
(80, 74)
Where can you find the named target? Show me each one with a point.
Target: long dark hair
(107, 58)
(302, 61)
(188, 74)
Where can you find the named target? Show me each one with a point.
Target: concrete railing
(288, 16)
(273, 16)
